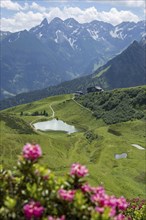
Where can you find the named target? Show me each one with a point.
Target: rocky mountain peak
(56, 21)
(71, 21)
(44, 22)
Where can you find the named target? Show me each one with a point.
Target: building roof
(98, 87)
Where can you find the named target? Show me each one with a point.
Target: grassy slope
(101, 72)
(121, 177)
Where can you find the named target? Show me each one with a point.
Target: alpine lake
(55, 125)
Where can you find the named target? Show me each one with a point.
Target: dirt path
(53, 113)
(73, 98)
(32, 122)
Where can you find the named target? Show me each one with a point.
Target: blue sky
(24, 14)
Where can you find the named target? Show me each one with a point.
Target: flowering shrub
(136, 209)
(32, 192)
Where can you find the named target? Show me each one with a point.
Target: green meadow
(94, 145)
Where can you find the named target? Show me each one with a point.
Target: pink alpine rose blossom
(67, 195)
(33, 209)
(31, 151)
(100, 190)
(112, 202)
(86, 188)
(122, 203)
(102, 201)
(78, 170)
(120, 217)
(112, 212)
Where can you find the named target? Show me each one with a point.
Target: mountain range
(125, 70)
(51, 53)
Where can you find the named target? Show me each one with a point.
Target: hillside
(125, 70)
(27, 65)
(116, 106)
(95, 144)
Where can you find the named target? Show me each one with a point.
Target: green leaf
(10, 203)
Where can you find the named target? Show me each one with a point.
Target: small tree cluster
(36, 113)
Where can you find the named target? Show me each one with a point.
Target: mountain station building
(94, 89)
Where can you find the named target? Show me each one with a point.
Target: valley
(95, 144)
(125, 70)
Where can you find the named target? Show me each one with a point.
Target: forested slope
(118, 105)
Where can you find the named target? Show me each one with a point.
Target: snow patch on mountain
(35, 29)
(70, 26)
(71, 42)
(15, 38)
(93, 34)
(75, 31)
(117, 33)
(4, 33)
(143, 34)
(40, 35)
(61, 37)
(131, 28)
(41, 25)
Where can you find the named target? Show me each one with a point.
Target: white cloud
(15, 6)
(21, 20)
(8, 4)
(37, 7)
(113, 16)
